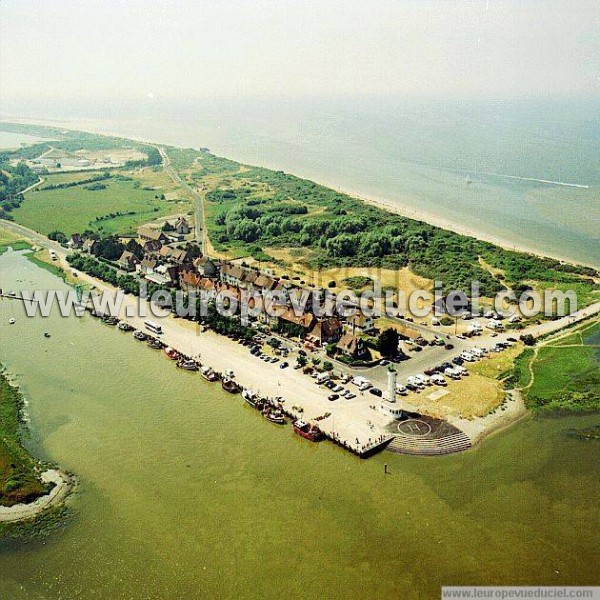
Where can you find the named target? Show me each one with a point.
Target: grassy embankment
(562, 375)
(18, 470)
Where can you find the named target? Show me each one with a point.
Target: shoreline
(346, 424)
(63, 487)
(63, 482)
(373, 200)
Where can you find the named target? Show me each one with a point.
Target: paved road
(200, 231)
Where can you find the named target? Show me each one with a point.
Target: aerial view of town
(312, 343)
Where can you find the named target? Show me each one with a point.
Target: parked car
(376, 392)
(457, 360)
(284, 365)
(449, 346)
(333, 397)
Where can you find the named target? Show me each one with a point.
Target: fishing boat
(208, 374)
(187, 364)
(275, 416)
(231, 386)
(125, 326)
(307, 431)
(98, 314)
(250, 397)
(171, 353)
(112, 321)
(140, 336)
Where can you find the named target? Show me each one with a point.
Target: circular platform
(414, 427)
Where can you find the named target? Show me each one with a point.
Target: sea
(184, 491)
(525, 172)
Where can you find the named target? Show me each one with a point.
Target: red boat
(171, 353)
(307, 431)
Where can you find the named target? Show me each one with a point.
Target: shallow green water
(186, 492)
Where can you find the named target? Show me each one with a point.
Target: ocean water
(417, 155)
(186, 492)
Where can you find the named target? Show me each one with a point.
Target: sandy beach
(403, 209)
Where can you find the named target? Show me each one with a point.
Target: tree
(57, 236)
(528, 339)
(135, 249)
(387, 342)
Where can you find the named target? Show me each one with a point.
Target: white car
(424, 379)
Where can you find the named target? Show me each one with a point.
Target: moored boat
(171, 353)
(140, 335)
(275, 416)
(208, 374)
(187, 364)
(125, 326)
(155, 344)
(250, 397)
(307, 430)
(112, 321)
(231, 386)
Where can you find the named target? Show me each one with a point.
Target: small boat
(140, 335)
(155, 344)
(250, 397)
(125, 326)
(208, 374)
(98, 314)
(46, 334)
(171, 353)
(275, 416)
(112, 321)
(187, 364)
(231, 386)
(307, 431)
(11, 321)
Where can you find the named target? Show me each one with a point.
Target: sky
(63, 49)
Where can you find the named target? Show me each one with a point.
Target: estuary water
(497, 168)
(185, 492)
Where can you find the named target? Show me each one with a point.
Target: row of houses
(166, 264)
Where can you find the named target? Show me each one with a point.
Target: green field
(76, 209)
(566, 373)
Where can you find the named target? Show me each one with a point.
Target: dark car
(449, 346)
(457, 360)
(301, 352)
(512, 339)
(284, 365)
(375, 391)
(333, 397)
(446, 365)
(430, 372)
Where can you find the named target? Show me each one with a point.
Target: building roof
(265, 282)
(149, 263)
(327, 328)
(349, 344)
(128, 257)
(150, 233)
(232, 271)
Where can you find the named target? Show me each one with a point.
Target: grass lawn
(75, 209)
(566, 378)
